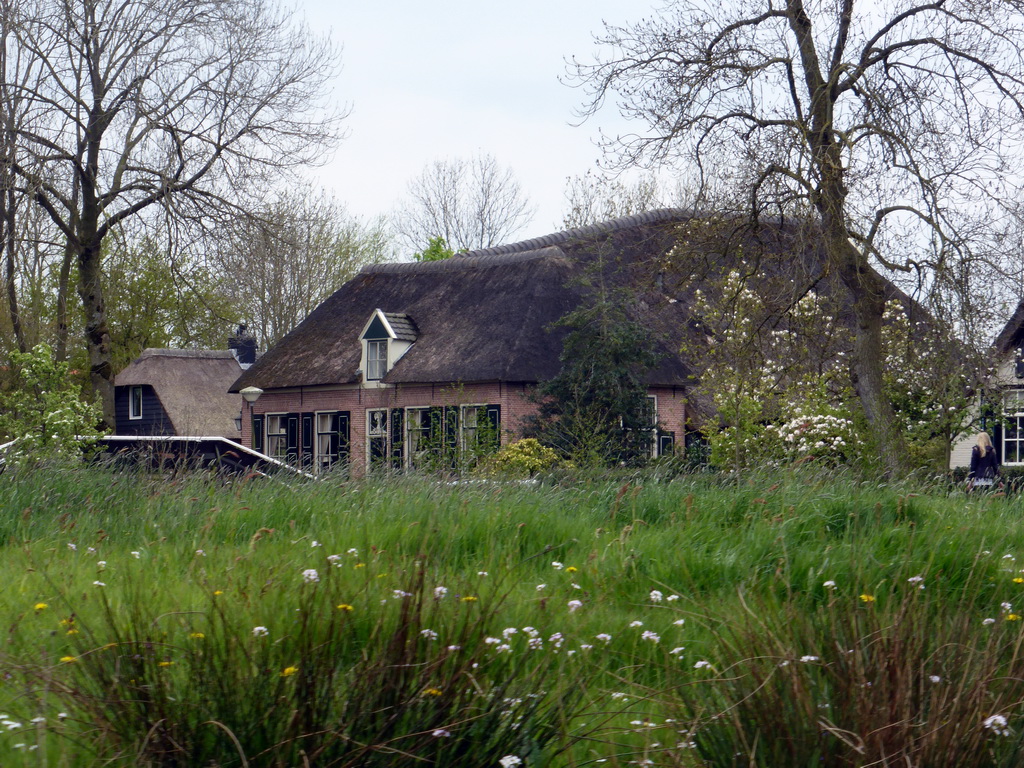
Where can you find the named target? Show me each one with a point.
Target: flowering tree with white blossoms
(776, 380)
(931, 383)
(46, 415)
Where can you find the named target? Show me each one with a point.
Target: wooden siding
(154, 419)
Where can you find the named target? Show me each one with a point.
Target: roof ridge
(211, 354)
(600, 228)
(464, 261)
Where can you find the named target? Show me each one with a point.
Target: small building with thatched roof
(178, 392)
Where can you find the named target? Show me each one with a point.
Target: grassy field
(790, 620)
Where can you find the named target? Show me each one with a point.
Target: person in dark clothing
(984, 463)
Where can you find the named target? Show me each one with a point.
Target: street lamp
(250, 395)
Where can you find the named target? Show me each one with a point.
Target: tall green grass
(161, 666)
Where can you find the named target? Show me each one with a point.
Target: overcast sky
(450, 78)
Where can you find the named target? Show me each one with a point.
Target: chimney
(243, 347)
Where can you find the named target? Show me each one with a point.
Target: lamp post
(250, 395)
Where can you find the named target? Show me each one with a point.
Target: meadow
(785, 620)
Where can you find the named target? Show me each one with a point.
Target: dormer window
(376, 359)
(385, 338)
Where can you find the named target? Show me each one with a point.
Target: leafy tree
(437, 250)
(180, 104)
(596, 411)
(46, 415)
(161, 301)
(893, 128)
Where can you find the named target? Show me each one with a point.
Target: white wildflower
(997, 724)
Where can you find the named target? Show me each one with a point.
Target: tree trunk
(10, 244)
(63, 281)
(97, 337)
(867, 291)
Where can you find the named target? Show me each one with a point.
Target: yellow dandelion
(68, 659)
(41, 606)
(218, 592)
(867, 598)
(196, 635)
(66, 622)
(289, 671)
(360, 565)
(1013, 617)
(571, 569)
(1019, 580)
(345, 607)
(71, 631)
(432, 692)
(469, 599)
(165, 663)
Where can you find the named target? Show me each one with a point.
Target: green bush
(523, 458)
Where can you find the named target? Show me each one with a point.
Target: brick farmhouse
(409, 358)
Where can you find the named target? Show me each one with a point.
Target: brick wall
(512, 397)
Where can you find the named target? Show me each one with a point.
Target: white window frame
(1013, 412)
(323, 458)
(376, 366)
(134, 409)
(372, 433)
(654, 425)
(413, 435)
(477, 409)
(276, 443)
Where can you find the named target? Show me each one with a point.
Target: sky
(451, 78)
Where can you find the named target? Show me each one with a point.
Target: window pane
(376, 359)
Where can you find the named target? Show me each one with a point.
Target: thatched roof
(192, 386)
(490, 315)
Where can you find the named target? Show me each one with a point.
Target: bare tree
(596, 197)
(471, 203)
(895, 127)
(280, 263)
(181, 103)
